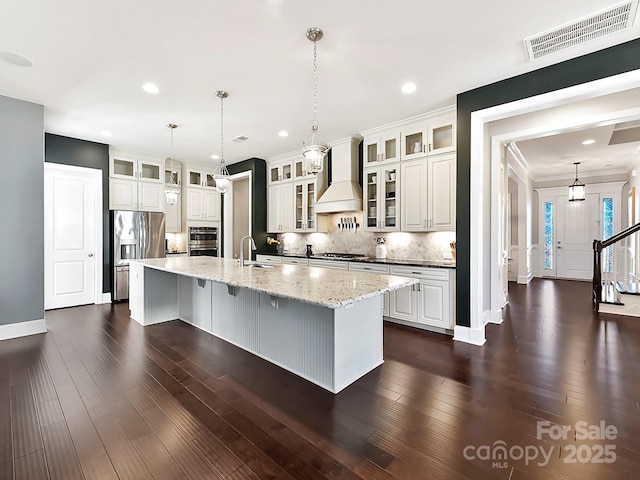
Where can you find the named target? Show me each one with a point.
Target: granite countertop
(318, 286)
(175, 253)
(386, 261)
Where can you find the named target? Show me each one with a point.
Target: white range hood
(344, 194)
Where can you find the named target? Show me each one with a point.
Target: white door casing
(72, 236)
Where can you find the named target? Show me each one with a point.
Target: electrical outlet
(447, 256)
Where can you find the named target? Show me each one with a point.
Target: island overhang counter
(321, 324)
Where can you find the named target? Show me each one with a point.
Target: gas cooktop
(341, 256)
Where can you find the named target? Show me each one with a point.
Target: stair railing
(609, 268)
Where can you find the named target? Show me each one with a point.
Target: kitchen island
(323, 325)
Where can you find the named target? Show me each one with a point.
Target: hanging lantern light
(171, 189)
(221, 174)
(315, 147)
(577, 190)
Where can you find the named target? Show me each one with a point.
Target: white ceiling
(554, 156)
(91, 58)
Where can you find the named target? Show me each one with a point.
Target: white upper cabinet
(441, 177)
(135, 182)
(414, 216)
(381, 198)
(428, 194)
(199, 177)
(432, 134)
(201, 204)
(281, 171)
(125, 167)
(381, 147)
(292, 193)
(441, 134)
(280, 215)
(306, 219)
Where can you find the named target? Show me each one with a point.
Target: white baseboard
(106, 298)
(495, 316)
(22, 329)
(469, 335)
(523, 280)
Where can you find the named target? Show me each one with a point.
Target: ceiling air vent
(605, 22)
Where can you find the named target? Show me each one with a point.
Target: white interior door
(577, 225)
(70, 236)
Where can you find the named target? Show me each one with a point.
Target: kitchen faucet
(252, 244)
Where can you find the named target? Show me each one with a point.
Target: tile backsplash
(405, 245)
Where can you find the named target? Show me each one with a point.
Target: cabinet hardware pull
(429, 147)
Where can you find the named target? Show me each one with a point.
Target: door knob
(91, 255)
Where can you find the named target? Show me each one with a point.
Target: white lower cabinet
(335, 264)
(428, 303)
(275, 259)
(295, 261)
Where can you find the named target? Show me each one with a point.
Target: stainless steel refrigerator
(136, 235)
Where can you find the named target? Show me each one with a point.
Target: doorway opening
(237, 214)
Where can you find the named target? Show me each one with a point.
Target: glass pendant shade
(314, 150)
(171, 189)
(221, 177)
(577, 190)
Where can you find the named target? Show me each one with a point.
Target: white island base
(331, 347)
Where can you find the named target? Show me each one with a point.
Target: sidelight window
(548, 235)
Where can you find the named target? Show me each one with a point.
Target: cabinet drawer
(338, 265)
(420, 272)
(295, 261)
(369, 267)
(268, 259)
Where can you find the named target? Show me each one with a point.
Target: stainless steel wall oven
(203, 241)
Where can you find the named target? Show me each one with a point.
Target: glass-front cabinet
(431, 136)
(382, 193)
(200, 178)
(384, 147)
(280, 172)
(136, 169)
(306, 219)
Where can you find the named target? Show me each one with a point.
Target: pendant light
(315, 147)
(171, 189)
(577, 188)
(221, 174)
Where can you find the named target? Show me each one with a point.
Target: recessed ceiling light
(283, 133)
(15, 59)
(215, 157)
(150, 88)
(105, 133)
(409, 87)
(589, 141)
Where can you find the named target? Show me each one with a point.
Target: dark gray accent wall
(258, 169)
(82, 153)
(594, 66)
(22, 212)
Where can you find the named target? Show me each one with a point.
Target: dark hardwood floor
(100, 397)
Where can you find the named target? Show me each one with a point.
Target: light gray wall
(241, 216)
(22, 212)
(513, 199)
